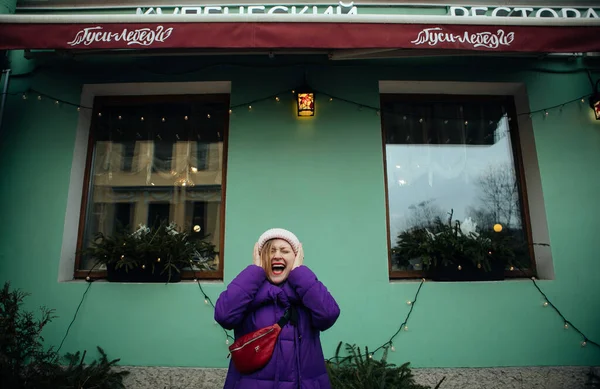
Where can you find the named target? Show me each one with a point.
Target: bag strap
(290, 315)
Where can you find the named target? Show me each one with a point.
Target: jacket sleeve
(315, 297)
(233, 303)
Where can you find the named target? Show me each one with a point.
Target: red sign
(275, 35)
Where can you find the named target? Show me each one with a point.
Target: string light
(360, 106)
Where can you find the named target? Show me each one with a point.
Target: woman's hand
(299, 260)
(256, 256)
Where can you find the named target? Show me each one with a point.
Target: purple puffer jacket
(252, 302)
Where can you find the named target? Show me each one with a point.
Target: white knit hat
(279, 233)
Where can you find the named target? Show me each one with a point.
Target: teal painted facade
(322, 178)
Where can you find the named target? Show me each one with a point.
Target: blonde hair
(265, 257)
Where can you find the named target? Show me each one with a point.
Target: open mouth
(277, 268)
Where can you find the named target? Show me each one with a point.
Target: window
(458, 157)
(154, 159)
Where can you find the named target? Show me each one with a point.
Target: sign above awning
(285, 31)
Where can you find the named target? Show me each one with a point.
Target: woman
(259, 296)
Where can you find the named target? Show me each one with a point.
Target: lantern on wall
(595, 101)
(305, 99)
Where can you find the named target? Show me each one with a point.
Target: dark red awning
(299, 35)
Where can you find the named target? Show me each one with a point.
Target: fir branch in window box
(455, 251)
(156, 254)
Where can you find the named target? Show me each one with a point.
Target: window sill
(186, 277)
(400, 276)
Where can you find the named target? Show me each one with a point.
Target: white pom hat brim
(279, 233)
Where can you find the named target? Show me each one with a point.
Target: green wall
(323, 179)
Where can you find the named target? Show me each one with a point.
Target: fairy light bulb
(459, 267)
(421, 120)
(78, 109)
(566, 326)
(162, 120)
(142, 119)
(40, 97)
(583, 344)
(208, 116)
(56, 102)
(157, 259)
(545, 303)
(405, 328)
(143, 266)
(277, 99)
(466, 122)
(230, 111)
(226, 341)
(370, 356)
(24, 96)
(185, 118)
(331, 99)
(409, 302)
(122, 256)
(120, 117)
(249, 107)
(87, 278)
(393, 348)
(546, 113)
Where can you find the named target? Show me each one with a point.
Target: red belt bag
(252, 352)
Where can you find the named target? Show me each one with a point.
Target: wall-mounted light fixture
(305, 99)
(595, 101)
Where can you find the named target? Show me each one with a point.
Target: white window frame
(80, 152)
(533, 182)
